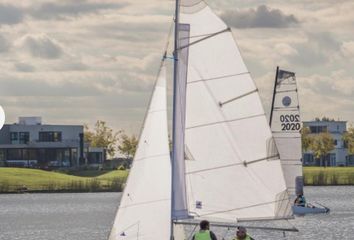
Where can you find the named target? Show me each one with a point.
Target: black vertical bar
(275, 87)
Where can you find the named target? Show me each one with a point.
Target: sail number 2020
(290, 122)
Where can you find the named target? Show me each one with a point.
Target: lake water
(89, 216)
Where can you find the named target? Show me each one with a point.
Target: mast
(175, 72)
(275, 86)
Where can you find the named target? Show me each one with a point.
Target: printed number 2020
(290, 122)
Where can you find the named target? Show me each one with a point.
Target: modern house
(30, 143)
(338, 156)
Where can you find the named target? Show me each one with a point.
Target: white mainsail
(145, 209)
(286, 123)
(231, 166)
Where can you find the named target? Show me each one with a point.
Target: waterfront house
(29, 143)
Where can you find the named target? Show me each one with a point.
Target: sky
(79, 61)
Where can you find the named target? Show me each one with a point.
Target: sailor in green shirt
(241, 234)
(204, 232)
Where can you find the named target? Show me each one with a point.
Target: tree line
(103, 136)
(321, 144)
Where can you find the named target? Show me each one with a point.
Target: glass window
(14, 137)
(24, 137)
(49, 136)
(2, 155)
(14, 154)
(318, 129)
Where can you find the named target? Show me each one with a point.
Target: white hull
(297, 210)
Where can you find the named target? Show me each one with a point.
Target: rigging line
(216, 78)
(152, 156)
(291, 159)
(144, 203)
(192, 232)
(205, 38)
(242, 208)
(236, 98)
(225, 121)
(273, 157)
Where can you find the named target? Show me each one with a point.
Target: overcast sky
(77, 61)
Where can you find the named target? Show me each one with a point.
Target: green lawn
(39, 180)
(12, 179)
(329, 175)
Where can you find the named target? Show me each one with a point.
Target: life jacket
(202, 235)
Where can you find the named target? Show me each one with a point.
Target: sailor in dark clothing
(241, 234)
(300, 201)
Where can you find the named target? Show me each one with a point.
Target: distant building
(338, 156)
(29, 143)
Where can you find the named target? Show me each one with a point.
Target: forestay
(286, 124)
(145, 209)
(233, 170)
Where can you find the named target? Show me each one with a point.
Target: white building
(338, 156)
(33, 144)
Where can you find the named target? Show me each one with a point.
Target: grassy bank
(320, 176)
(33, 180)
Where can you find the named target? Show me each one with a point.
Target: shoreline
(24, 180)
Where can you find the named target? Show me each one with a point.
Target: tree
(348, 139)
(102, 136)
(128, 145)
(306, 139)
(321, 145)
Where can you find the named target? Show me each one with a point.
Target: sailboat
(224, 166)
(285, 123)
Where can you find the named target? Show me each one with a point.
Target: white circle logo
(2, 117)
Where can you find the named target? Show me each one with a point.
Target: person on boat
(241, 234)
(204, 232)
(300, 201)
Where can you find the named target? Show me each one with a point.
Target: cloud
(4, 44)
(347, 49)
(10, 14)
(64, 9)
(73, 84)
(41, 46)
(23, 67)
(262, 17)
(318, 49)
